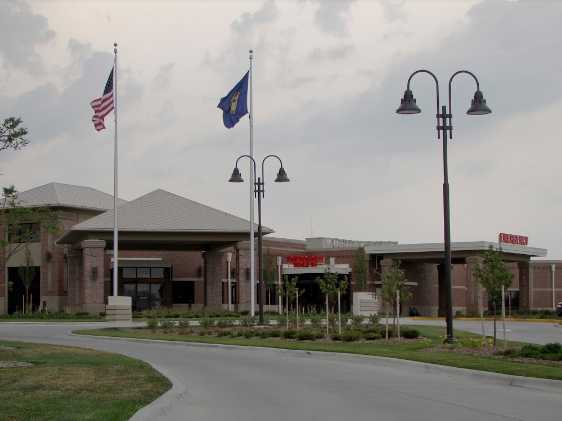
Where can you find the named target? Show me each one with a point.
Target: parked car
(559, 309)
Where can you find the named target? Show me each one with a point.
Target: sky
(328, 77)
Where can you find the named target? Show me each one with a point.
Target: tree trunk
(287, 309)
(387, 316)
(339, 312)
(494, 306)
(327, 318)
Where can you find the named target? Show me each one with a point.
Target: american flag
(103, 105)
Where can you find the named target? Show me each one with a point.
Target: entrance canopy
(434, 251)
(164, 221)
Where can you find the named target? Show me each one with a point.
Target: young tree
(341, 287)
(329, 287)
(360, 269)
(288, 291)
(393, 288)
(26, 273)
(12, 135)
(493, 275)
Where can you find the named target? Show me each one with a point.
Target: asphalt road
(218, 383)
(534, 332)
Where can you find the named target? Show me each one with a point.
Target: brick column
(214, 273)
(473, 289)
(92, 294)
(426, 294)
(524, 286)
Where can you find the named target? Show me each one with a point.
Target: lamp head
(236, 177)
(408, 104)
(478, 105)
(282, 176)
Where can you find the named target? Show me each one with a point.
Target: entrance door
(16, 289)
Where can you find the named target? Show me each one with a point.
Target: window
(157, 273)
(129, 273)
(233, 295)
(24, 233)
(143, 273)
(183, 292)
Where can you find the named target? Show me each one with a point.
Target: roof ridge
(192, 201)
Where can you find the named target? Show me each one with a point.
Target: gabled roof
(162, 211)
(67, 195)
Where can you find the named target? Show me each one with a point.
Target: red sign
(520, 240)
(305, 261)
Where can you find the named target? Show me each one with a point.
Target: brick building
(173, 252)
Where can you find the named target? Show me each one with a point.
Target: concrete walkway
(229, 383)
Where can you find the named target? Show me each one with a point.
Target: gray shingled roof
(162, 211)
(67, 195)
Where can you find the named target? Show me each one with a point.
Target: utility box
(365, 304)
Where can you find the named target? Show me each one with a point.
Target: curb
(162, 404)
(533, 383)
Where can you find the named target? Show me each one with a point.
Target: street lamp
(259, 191)
(477, 107)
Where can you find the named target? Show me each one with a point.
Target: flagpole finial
(251, 54)
(115, 47)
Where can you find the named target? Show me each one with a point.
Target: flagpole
(252, 259)
(115, 184)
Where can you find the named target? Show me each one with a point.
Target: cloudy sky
(328, 78)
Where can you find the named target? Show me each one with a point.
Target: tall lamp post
(444, 128)
(259, 191)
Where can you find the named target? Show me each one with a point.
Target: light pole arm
(262, 170)
(251, 159)
(436, 92)
(450, 86)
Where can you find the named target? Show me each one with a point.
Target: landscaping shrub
(530, 351)
(203, 332)
(351, 336)
(206, 322)
(410, 333)
(306, 335)
(222, 333)
(372, 335)
(336, 337)
(264, 334)
(374, 320)
(223, 323)
(289, 334)
(249, 334)
(275, 333)
(167, 324)
(247, 321)
(552, 348)
(357, 322)
(152, 324)
(183, 324)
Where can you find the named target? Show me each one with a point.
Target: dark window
(24, 233)
(183, 292)
(233, 296)
(129, 273)
(143, 273)
(157, 273)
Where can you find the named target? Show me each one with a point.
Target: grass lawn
(68, 383)
(428, 350)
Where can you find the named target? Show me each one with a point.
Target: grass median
(47, 382)
(428, 349)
